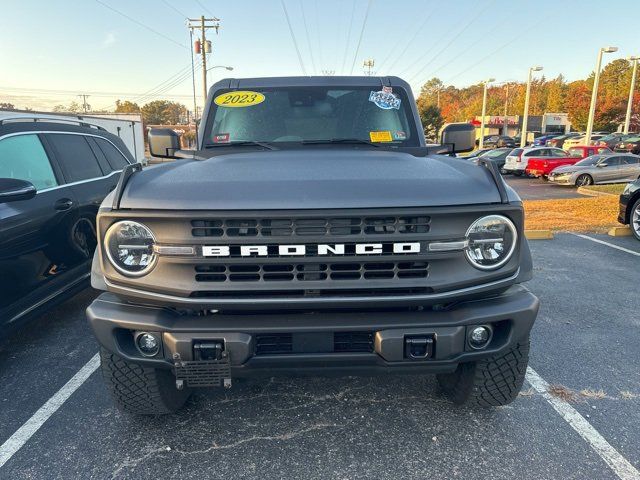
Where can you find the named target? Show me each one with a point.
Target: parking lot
(585, 339)
(537, 189)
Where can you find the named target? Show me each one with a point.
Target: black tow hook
(208, 351)
(418, 347)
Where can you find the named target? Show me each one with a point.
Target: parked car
(582, 140)
(497, 141)
(631, 145)
(630, 207)
(614, 139)
(477, 153)
(53, 177)
(539, 167)
(542, 140)
(517, 161)
(497, 156)
(558, 142)
(604, 168)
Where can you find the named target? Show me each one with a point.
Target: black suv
(53, 177)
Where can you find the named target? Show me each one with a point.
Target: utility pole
(85, 105)
(438, 101)
(594, 93)
(203, 46)
(525, 119)
(506, 103)
(484, 111)
(627, 118)
(369, 64)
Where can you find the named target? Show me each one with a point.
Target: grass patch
(591, 214)
(589, 393)
(562, 392)
(613, 189)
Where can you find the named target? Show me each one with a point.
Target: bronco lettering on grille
(315, 250)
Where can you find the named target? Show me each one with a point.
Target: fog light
(479, 337)
(148, 344)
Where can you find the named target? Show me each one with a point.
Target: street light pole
(484, 111)
(594, 93)
(627, 118)
(525, 117)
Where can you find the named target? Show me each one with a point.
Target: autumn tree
(126, 107)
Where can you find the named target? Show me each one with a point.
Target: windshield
(380, 115)
(633, 139)
(496, 153)
(592, 160)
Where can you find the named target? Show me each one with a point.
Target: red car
(542, 167)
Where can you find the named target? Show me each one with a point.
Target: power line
(174, 9)
(364, 24)
(506, 44)
(453, 39)
(346, 44)
(152, 30)
(409, 43)
(306, 29)
(202, 6)
(293, 38)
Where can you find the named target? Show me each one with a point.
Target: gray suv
(312, 232)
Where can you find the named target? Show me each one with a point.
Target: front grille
(286, 271)
(288, 343)
(306, 227)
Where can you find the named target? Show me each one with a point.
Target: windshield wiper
(241, 144)
(338, 140)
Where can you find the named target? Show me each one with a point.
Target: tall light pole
(220, 66)
(525, 116)
(484, 111)
(627, 118)
(594, 92)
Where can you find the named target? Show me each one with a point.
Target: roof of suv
(309, 81)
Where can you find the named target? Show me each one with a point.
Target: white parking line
(31, 426)
(622, 249)
(620, 465)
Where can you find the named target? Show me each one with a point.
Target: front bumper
(313, 335)
(565, 180)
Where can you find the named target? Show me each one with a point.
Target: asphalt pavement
(586, 339)
(537, 189)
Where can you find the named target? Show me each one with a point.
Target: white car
(578, 141)
(516, 162)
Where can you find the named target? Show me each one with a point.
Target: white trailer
(127, 126)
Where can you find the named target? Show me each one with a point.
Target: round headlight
(491, 242)
(129, 247)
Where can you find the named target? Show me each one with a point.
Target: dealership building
(512, 124)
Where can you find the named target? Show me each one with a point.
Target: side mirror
(459, 137)
(163, 143)
(13, 190)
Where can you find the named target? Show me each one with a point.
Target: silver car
(610, 168)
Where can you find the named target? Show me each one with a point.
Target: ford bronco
(312, 232)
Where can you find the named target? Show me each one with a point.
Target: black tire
(491, 382)
(584, 180)
(141, 390)
(634, 223)
(517, 174)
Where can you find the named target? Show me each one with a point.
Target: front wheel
(141, 390)
(584, 180)
(634, 221)
(490, 382)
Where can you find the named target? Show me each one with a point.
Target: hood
(310, 179)
(571, 168)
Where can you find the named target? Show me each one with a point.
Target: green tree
(431, 120)
(162, 112)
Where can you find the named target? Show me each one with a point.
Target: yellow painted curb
(538, 234)
(619, 232)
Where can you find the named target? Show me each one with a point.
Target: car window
(535, 153)
(76, 157)
(114, 157)
(558, 152)
(23, 157)
(515, 152)
(612, 161)
(577, 152)
(629, 160)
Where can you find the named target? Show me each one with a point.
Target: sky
(51, 51)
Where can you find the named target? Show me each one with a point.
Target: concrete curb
(619, 232)
(592, 193)
(538, 234)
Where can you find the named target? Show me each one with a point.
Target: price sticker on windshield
(241, 98)
(382, 136)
